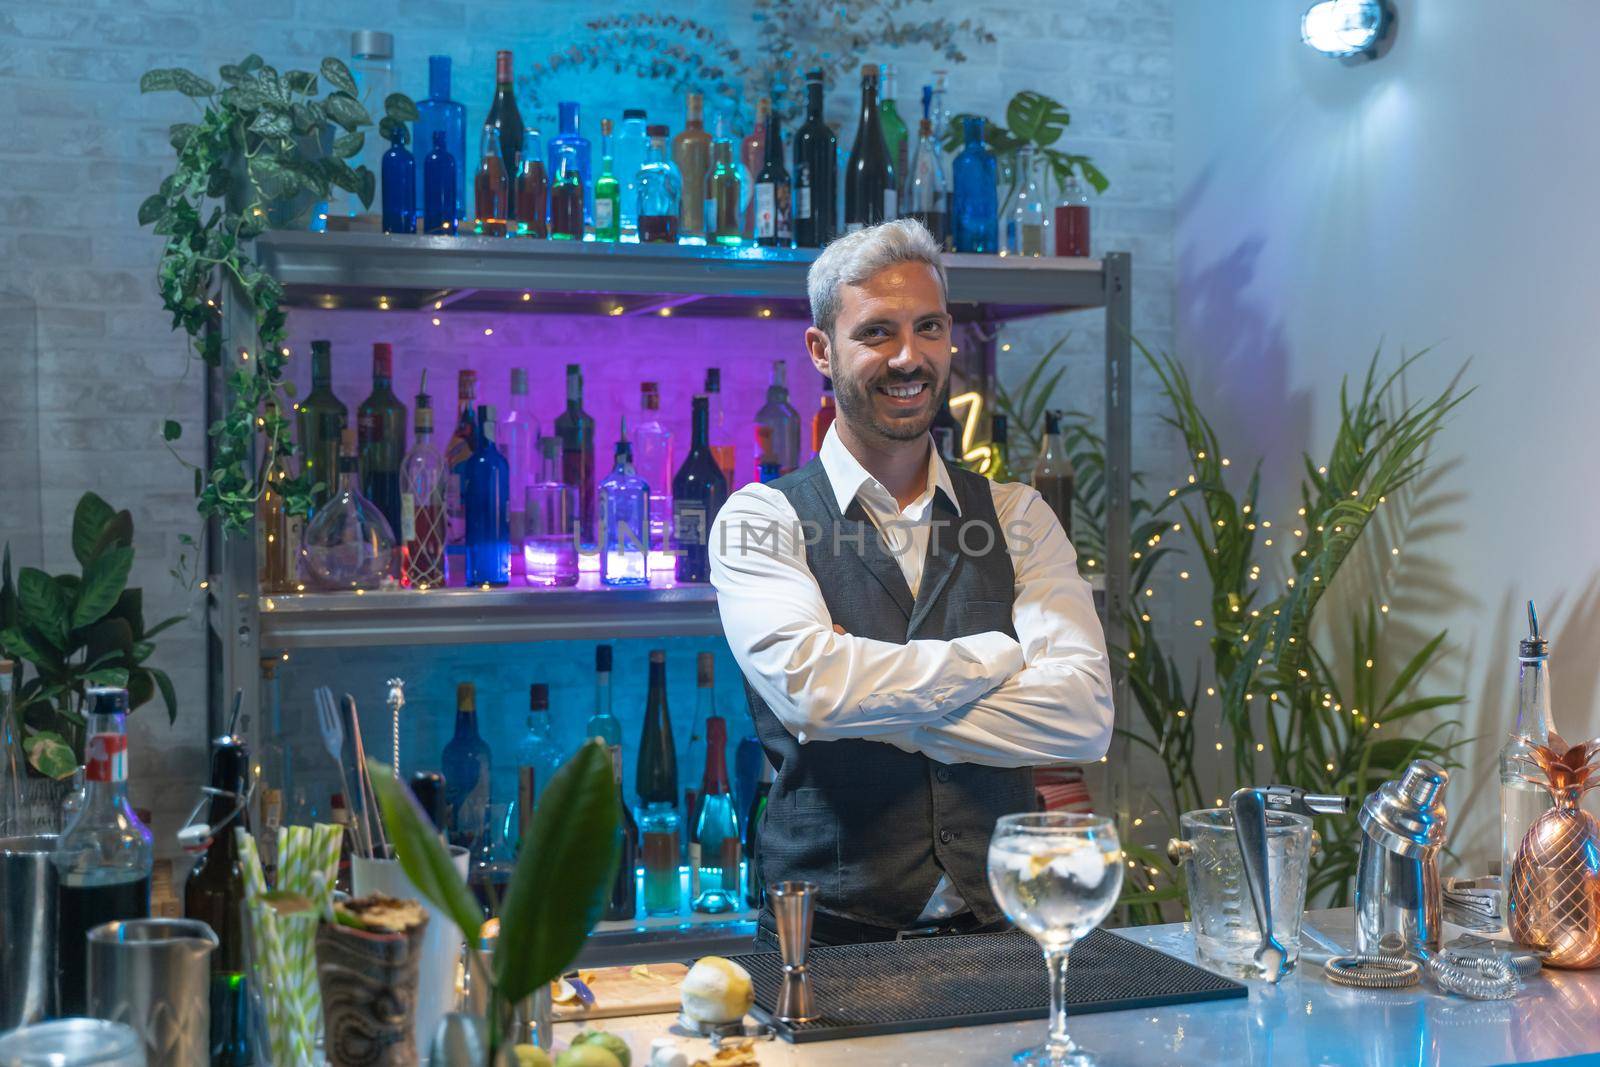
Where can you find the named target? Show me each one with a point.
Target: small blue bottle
(399, 186)
(439, 113)
(486, 495)
(976, 200)
(570, 140)
(625, 522)
(439, 189)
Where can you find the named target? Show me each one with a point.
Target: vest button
(947, 836)
(941, 774)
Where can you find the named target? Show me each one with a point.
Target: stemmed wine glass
(1056, 875)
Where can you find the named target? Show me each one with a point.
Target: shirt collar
(847, 476)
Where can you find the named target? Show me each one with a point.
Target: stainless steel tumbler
(154, 975)
(27, 930)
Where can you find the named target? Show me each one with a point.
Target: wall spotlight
(1352, 30)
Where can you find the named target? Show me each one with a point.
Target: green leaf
(338, 76)
(347, 111)
(399, 106)
(44, 605)
(169, 695)
(50, 755)
(251, 63)
(421, 853)
(1035, 117)
(153, 208)
(389, 127)
(302, 82)
(1093, 176)
(89, 520)
(27, 644)
(272, 124)
(563, 875)
(348, 144)
(103, 582)
(118, 531)
(160, 80)
(366, 186)
(171, 430)
(232, 73)
(272, 178)
(113, 676)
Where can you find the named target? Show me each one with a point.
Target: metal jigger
(793, 904)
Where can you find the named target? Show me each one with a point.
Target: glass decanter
(349, 544)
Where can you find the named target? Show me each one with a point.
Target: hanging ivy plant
(266, 147)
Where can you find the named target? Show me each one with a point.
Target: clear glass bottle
(607, 191)
(722, 448)
(348, 544)
(627, 156)
(660, 190)
(437, 113)
(724, 193)
(659, 838)
(1025, 215)
(896, 136)
(652, 452)
(467, 770)
(486, 488)
(717, 828)
(539, 756)
(624, 521)
(520, 436)
(568, 141)
(1072, 218)
(778, 426)
(623, 902)
(927, 194)
(422, 505)
(491, 187)
(104, 856)
(372, 67)
(691, 154)
(399, 182)
(823, 417)
(550, 553)
(974, 207)
(1522, 802)
(1053, 473)
(322, 418)
(530, 190)
(694, 759)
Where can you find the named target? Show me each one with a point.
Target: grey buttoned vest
(872, 825)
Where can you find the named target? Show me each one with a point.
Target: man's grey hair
(855, 257)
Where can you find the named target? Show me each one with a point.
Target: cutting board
(620, 991)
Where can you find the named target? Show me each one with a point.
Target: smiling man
(913, 636)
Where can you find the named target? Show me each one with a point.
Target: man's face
(889, 355)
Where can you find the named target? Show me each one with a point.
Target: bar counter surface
(1304, 1020)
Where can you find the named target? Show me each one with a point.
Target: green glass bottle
(322, 419)
(607, 192)
(381, 433)
(896, 137)
(724, 196)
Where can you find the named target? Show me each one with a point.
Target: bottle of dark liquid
(722, 449)
(104, 856)
(466, 774)
(463, 439)
(569, 143)
(322, 418)
(575, 427)
(213, 894)
(659, 191)
(429, 789)
(505, 118)
(755, 887)
(1053, 475)
(656, 775)
(999, 465)
(439, 188)
(491, 186)
(698, 492)
(773, 223)
(381, 437)
(1072, 218)
(946, 433)
(816, 172)
(691, 151)
(528, 196)
(717, 828)
(869, 189)
(566, 195)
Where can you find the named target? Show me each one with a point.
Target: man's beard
(857, 403)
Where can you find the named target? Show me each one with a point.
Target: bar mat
(936, 983)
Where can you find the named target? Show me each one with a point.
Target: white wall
(1443, 195)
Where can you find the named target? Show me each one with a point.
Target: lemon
(717, 990)
(610, 1042)
(587, 1055)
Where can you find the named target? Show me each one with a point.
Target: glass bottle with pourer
(1521, 801)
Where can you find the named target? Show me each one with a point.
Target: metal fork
(332, 726)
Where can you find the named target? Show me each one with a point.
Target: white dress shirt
(989, 699)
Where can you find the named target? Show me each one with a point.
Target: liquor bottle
(624, 521)
(748, 757)
(999, 466)
(429, 789)
(467, 766)
(722, 449)
(1522, 802)
(946, 432)
(717, 828)
(214, 894)
(491, 186)
(381, 435)
(603, 724)
(896, 137)
(1026, 219)
(504, 116)
(1053, 475)
(627, 155)
(698, 491)
(658, 202)
(348, 544)
(724, 192)
(486, 488)
(755, 887)
(652, 453)
(659, 836)
(778, 425)
(439, 189)
(550, 552)
(607, 192)
(322, 419)
(705, 706)
(927, 195)
(399, 186)
(530, 189)
(574, 146)
(869, 177)
(272, 526)
(538, 758)
(691, 152)
(440, 114)
(623, 902)
(103, 857)
(974, 208)
(656, 773)
(816, 171)
(575, 427)
(1072, 218)
(774, 226)
(456, 453)
(823, 418)
(371, 66)
(422, 518)
(520, 435)
(938, 110)
(752, 154)
(566, 194)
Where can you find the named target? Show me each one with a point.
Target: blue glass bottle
(467, 775)
(440, 114)
(577, 144)
(976, 201)
(625, 522)
(486, 492)
(439, 189)
(399, 186)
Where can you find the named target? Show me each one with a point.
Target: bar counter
(1303, 1020)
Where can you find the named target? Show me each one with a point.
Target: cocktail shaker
(27, 930)
(1399, 905)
